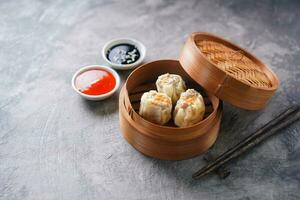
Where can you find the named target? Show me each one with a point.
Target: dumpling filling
(156, 107)
(190, 108)
(172, 85)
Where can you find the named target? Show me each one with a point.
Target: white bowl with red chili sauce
(96, 82)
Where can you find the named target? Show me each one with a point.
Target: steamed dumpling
(172, 85)
(190, 108)
(156, 107)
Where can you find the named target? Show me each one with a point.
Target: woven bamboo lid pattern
(228, 71)
(235, 63)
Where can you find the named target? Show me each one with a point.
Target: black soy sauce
(123, 54)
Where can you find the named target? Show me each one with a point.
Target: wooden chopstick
(283, 120)
(222, 171)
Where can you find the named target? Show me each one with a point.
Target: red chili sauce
(95, 82)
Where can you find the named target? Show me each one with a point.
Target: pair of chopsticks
(283, 120)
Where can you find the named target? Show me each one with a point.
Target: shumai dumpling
(172, 85)
(156, 107)
(190, 108)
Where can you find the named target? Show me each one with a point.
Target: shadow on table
(236, 124)
(103, 107)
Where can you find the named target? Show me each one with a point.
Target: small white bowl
(137, 44)
(101, 96)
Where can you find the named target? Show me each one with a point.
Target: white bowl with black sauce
(124, 54)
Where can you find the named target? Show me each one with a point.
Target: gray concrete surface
(55, 145)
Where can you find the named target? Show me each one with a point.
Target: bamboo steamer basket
(165, 142)
(228, 71)
(218, 69)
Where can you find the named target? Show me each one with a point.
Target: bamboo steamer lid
(228, 71)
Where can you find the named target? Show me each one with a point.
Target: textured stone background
(55, 145)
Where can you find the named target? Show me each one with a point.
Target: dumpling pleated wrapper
(190, 108)
(172, 85)
(156, 107)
